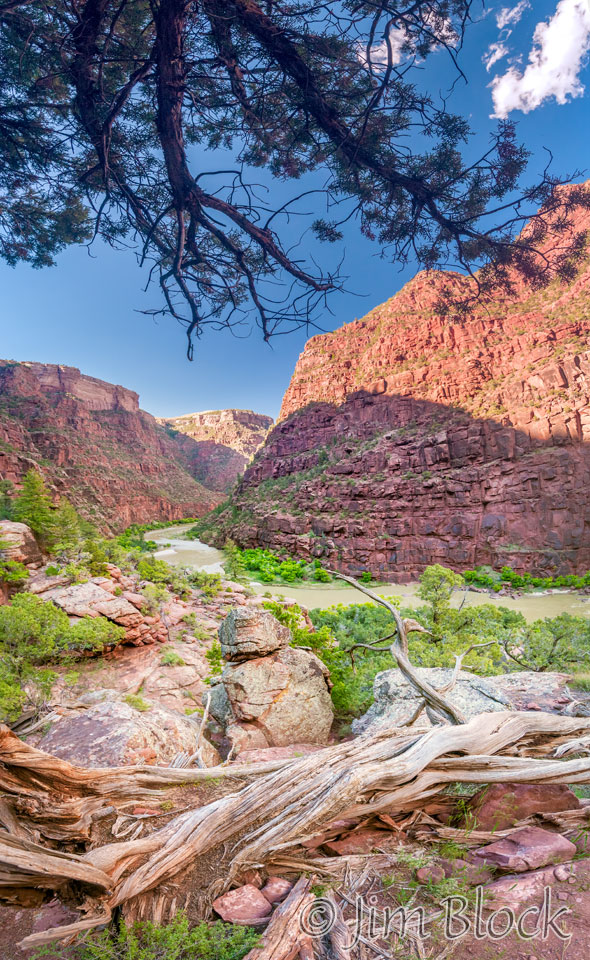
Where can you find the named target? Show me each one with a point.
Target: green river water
(199, 555)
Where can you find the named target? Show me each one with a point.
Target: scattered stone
(276, 889)
(471, 873)
(516, 890)
(432, 873)
(501, 805)
(365, 840)
(245, 905)
(526, 849)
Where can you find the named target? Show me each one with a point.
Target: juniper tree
(150, 123)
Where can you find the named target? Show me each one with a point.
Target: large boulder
(278, 700)
(396, 699)
(19, 543)
(249, 632)
(114, 733)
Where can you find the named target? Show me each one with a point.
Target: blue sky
(84, 311)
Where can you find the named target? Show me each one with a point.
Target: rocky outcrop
(94, 445)
(18, 543)
(97, 598)
(408, 438)
(270, 694)
(395, 699)
(113, 733)
(218, 444)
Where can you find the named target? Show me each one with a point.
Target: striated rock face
(218, 444)
(94, 445)
(407, 438)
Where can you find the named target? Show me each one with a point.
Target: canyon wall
(94, 445)
(408, 438)
(218, 444)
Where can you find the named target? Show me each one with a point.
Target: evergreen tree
(33, 506)
(66, 530)
(6, 506)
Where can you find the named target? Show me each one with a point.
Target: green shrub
(34, 636)
(156, 571)
(215, 659)
(137, 702)
(170, 658)
(174, 941)
(556, 643)
(13, 572)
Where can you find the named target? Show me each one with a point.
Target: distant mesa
(220, 443)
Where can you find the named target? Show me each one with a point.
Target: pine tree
(67, 536)
(33, 506)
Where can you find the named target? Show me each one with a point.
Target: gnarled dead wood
(386, 771)
(438, 706)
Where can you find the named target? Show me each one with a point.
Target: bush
(268, 567)
(170, 658)
(156, 571)
(34, 635)
(556, 643)
(13, 572)
(215, 659)
(174, 941)
(138, 703)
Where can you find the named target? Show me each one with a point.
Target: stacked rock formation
(270, 694)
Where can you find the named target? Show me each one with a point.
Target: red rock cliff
(94, 445)
(407, 439)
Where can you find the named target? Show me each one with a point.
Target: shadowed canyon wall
(408, 438)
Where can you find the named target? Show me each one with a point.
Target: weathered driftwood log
(285, 804)
(279, 810)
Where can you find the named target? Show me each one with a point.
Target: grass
(137, 702)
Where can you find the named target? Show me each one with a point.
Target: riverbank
(533, 606)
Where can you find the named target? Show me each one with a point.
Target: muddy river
(193, 553)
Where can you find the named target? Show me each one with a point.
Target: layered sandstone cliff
(218, 444)
(407, 438)
(94, 445)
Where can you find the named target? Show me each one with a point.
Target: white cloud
(379, 52)
(508, 16)
(494, 53)
(402, 42)
(555, 62)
